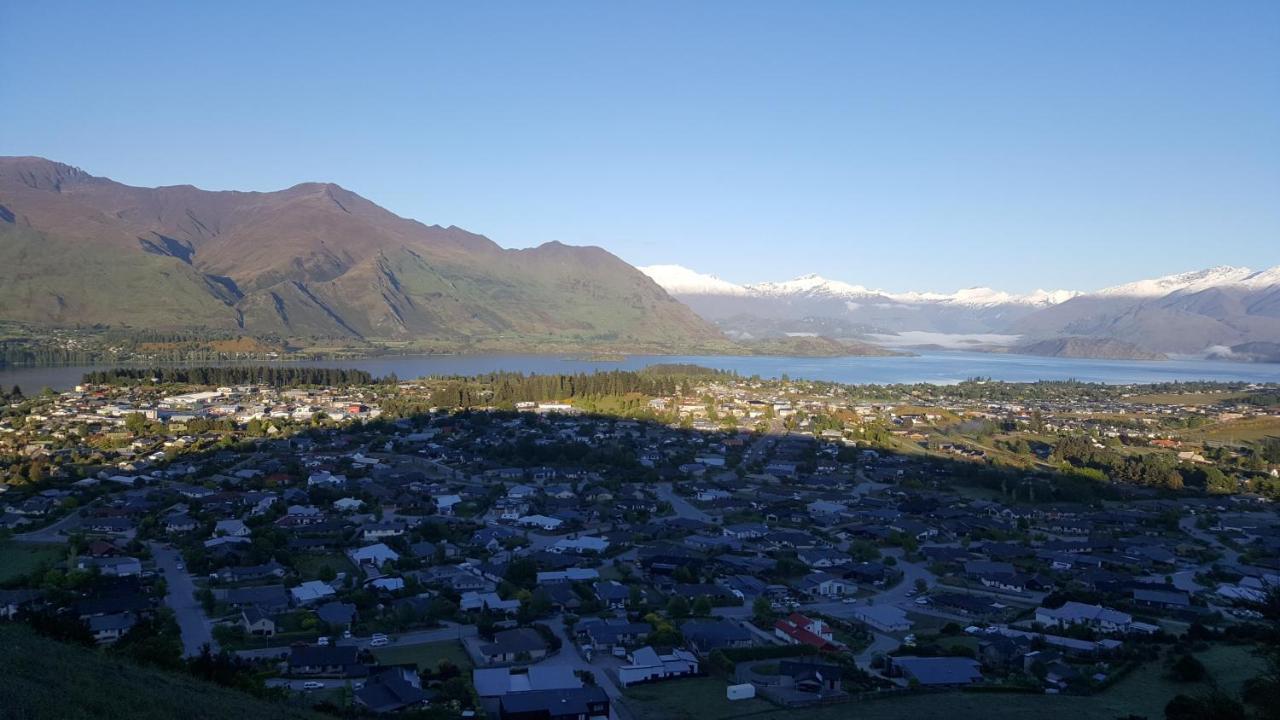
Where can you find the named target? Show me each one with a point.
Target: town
(675, 542)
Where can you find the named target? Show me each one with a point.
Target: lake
(930, 367)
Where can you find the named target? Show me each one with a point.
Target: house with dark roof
(810, 675)
(514, 645)
(937, 671)
(1167, 599)
(337, 614)
(586, 703)
(256, 621)
(325, 661)
(707, 635)
(392, 690)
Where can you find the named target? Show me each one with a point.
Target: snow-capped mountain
(812, 285)
(1187, 282)
(1186, 313)
(679, 280)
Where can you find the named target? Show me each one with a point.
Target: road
(181, 598)
(417, 637)
(682, 507)
(1188, 526)
(570, 656)
(57, 531)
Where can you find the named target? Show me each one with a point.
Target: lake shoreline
(939, 368)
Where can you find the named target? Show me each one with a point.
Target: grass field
(308, 565)
(1144, 692)
(41, 679)
(1245, 430)
(426, 656)
(18, 559)
(1186, 398)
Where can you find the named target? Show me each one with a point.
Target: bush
(1187, 669)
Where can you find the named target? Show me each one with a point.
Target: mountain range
(1205, 312)
(318, 261)
(314, 260)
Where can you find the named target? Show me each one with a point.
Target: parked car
(322, 641)
(378, 642)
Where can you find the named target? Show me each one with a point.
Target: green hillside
(41, 679)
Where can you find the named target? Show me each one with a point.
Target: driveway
(181, 598)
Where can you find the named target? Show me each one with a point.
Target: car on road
(849, 600)
(322, 641)
(313, 685)
(179, 567)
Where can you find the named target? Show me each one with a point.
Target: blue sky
(903, 145)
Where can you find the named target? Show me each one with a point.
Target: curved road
(181, 598)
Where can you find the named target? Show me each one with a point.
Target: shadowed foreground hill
(315, 260)
(42, 679)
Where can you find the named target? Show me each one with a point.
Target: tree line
(506, 388)
(270, 375)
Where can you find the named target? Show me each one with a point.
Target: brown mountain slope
(314, 260)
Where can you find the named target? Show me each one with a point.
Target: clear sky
(897, 144)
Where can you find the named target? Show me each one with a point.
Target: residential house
(325, 661)
(586, 703)
(514, 645)
(646, 665)
(798, 629)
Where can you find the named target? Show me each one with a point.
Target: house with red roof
(799, 629)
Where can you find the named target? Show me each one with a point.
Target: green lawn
(426, 656)
(691, 699)
(308, 565)
(18, 559)
(1143, 692)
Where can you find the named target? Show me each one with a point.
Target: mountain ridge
(311, 260)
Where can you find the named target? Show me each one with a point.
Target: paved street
(450, 631)
(196, 627)
(56, 532)
(571, 657)
(681, 506)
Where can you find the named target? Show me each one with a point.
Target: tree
(702, 606)
(635, 598)
(327, 573)
(1214, 705)
(1187, 669)
(762, 611)
(1216, 482)
(678, 607)
(136, 423)
(522, 572)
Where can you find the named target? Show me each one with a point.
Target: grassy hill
(41, 679)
